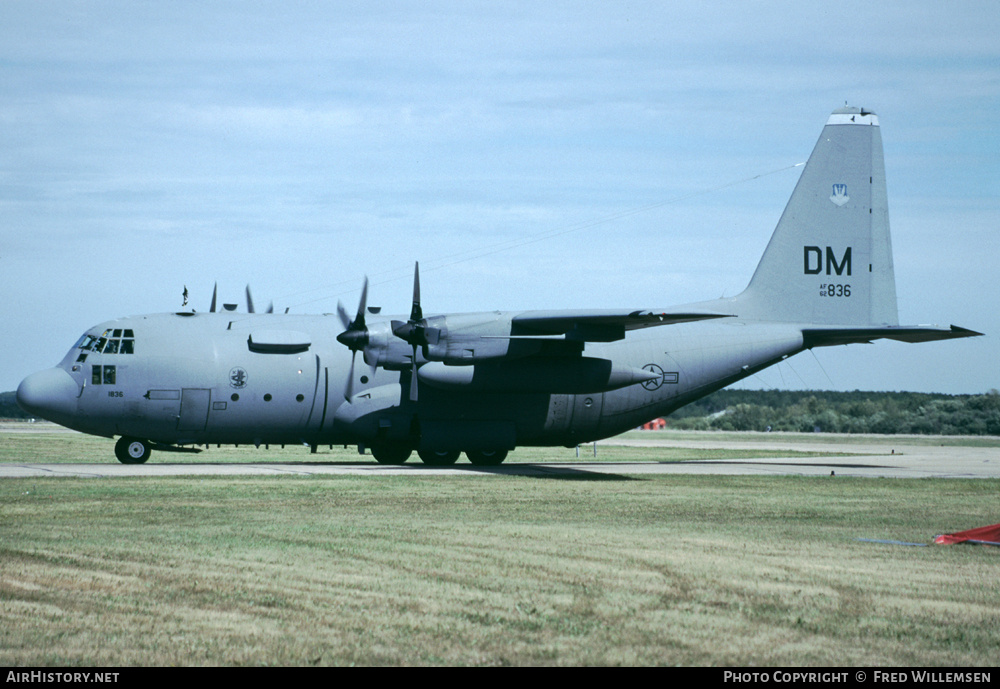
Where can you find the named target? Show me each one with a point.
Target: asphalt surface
(898, 457)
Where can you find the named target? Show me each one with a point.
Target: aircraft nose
(50, 394)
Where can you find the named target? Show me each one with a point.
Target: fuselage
(200, 378)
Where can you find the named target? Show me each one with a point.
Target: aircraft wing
(823, 337)
(600, 325)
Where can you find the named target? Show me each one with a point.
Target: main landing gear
(391, 454)
(486, 458)
(398, 454)
(439, 458)
(132, 450)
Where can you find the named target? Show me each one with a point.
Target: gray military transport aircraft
(491, 381)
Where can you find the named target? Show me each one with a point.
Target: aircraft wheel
(391, 454)
(439, 458)
(486, 458)
(132, 450)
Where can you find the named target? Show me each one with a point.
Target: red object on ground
(984, 534)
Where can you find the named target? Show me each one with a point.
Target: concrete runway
(895, 457)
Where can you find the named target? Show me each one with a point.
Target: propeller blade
(270, 307)
(345, 318)
(215, 292)
(359, 320)
(349, 388)
(249, 301)
(413, 376)
(416, 313)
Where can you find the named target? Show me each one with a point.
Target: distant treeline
(810, 410)
(9, 408)
(842, 412)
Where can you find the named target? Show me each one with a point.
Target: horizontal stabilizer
(824, 337)
(600, 325)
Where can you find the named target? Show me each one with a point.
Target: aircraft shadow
(547, 472)
(541, 471)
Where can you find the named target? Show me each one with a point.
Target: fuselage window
(103, 375)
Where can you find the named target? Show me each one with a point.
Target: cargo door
(194, 409)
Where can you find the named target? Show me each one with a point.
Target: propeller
(250, 309)
(415, 331)
(355, 335)
(215, 293)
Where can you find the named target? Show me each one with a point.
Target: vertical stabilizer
(829, 260)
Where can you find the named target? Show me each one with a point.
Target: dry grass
(510, 570)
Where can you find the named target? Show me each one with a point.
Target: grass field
(330, 570)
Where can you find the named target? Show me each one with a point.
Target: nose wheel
(132, 450)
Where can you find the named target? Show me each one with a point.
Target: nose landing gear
(132, 450)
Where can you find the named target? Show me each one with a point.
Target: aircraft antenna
(481, 252)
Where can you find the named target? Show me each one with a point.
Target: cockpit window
(111, 341)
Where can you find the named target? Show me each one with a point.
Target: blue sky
(562, 155)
